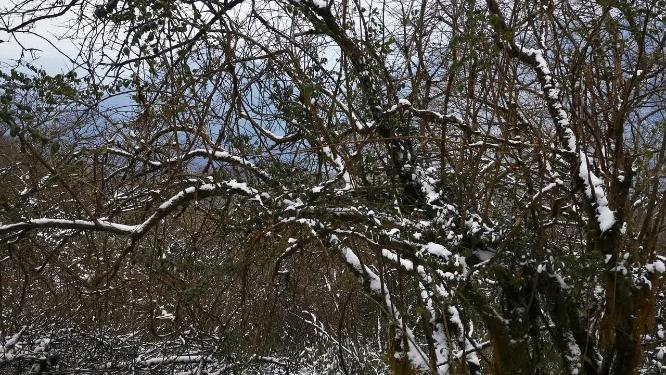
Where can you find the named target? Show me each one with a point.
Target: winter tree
(334, 187)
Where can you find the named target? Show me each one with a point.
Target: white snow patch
(436, 249)
(594, 189)
(656, 267)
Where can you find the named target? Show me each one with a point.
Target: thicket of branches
(344, 187)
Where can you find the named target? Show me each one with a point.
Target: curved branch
(177, 200)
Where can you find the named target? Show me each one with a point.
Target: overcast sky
(47, 56)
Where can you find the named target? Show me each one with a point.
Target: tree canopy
(316, 186)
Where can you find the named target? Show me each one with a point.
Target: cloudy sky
(42, 41)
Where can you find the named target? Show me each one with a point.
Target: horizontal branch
(101, 225)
